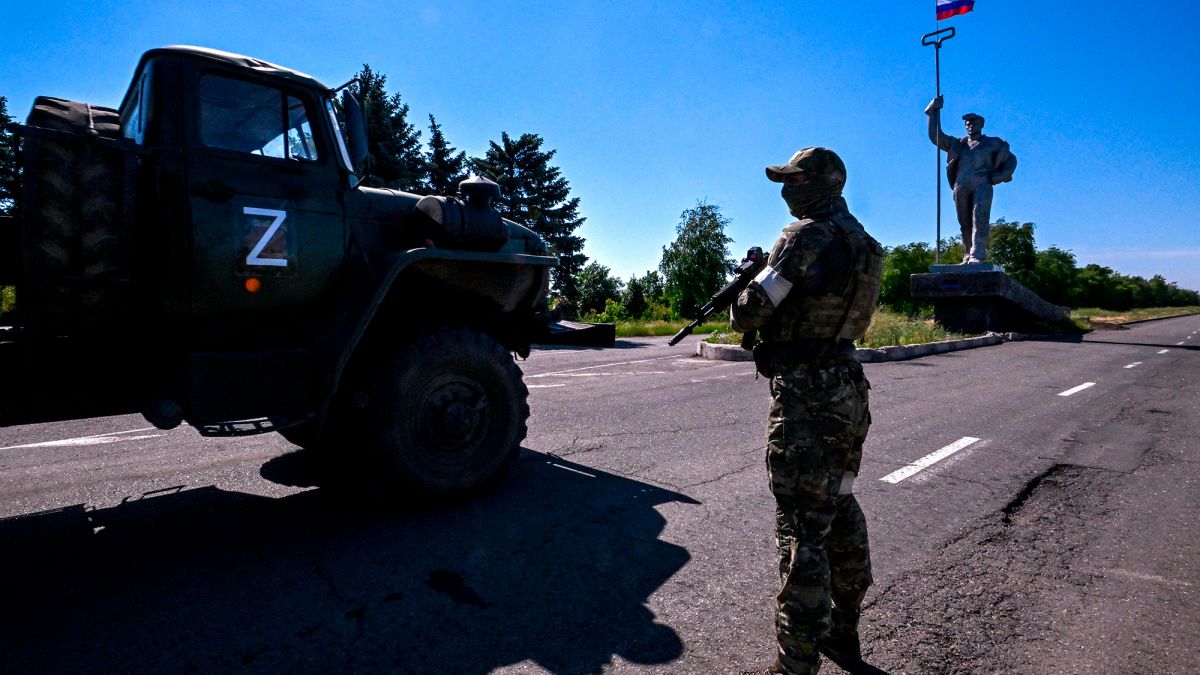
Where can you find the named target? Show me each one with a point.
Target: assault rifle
(728, 295)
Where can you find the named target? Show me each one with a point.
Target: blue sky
(653, 106)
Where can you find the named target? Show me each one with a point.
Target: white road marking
(928, 460)
(1135, 364)
(1076, 390)
(603, 365)
(567, 468)
(1179, 343)
(543, 386)
(1163, 351)
(98, 439)
(1129, 574)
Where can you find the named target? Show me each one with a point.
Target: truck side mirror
(356, 131)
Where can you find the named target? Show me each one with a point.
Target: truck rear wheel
(448, 414)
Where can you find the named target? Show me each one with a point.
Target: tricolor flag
(949, 8)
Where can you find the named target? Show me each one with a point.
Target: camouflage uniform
(816, 296)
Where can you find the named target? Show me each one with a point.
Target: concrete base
(965, 268)
(979, 301)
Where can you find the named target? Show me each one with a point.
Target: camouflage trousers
(819, 419)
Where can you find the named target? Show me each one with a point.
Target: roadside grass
(1088, 317)
(887, 329)
(890, 328)
(664, 328)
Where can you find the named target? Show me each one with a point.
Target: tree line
(697, 264)
(693, 267)
(1052, 273)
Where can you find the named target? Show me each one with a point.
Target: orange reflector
(253, 285)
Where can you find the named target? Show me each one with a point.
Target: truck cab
(206, 253)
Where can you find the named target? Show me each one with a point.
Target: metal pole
(936, 39)
(937, 164)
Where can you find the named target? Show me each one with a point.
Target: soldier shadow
(556, 568)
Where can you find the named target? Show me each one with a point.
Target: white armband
(773, 283)
(847, 487)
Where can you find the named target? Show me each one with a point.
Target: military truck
(207, 253)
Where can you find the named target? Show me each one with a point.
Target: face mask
(802, 198)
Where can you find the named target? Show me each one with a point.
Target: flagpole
(936, 38)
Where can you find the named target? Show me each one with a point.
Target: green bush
(889, 328)
(8, 299)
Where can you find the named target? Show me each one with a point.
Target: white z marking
(253, 258)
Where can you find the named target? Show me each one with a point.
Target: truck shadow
(619, 345)
(555, 569)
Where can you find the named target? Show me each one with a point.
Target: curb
(706, 350)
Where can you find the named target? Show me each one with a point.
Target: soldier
(974, 163)
(813, 298)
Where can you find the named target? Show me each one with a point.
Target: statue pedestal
(980, 297)
(965, 268)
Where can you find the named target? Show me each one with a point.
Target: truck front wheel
(448, 414)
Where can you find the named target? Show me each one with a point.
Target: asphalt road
(634, 535)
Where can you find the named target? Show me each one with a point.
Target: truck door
(266, 214)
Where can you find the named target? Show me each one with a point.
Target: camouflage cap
(821, 161)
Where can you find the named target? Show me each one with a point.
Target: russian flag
(949, 8)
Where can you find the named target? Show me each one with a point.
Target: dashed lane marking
(1140, 576)
(1179, 343)
(543, 386)
(97, 439)
(929, 460)
(1135, 364)
(604, 365)
(1163, 351)
(1076, 390)
(567, 468)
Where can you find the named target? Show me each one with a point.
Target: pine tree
(394, 145)
(446, 165)
(8, 162)
(534, 194)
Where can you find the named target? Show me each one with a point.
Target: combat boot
(845, 652)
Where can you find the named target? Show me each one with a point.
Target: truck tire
(302, 435)
(447, 415)
(78, 213)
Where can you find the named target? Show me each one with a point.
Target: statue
(974, 163)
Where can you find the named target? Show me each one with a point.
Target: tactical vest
(826, 309)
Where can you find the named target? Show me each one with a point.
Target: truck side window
(133, 117)
(252, 118)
